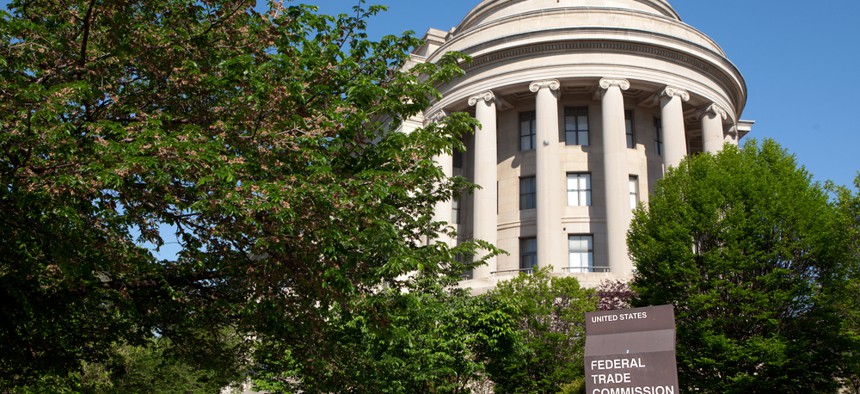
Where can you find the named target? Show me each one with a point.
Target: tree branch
(82, 61)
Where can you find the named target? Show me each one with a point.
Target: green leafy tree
(150, 368)
(263, 141)
(424, 346)
(531, 334)
(849, 302)
(752, 254)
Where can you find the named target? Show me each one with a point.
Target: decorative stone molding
(607, 83)
(438, 116)
(723, 77)
(715, 110)
(552, 84)
(487, 96)
(671, 91)
(733, 132)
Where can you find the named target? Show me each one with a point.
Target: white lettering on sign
(616, 377)
(623, 363)
(637, 390)
(611, 378)
(621, 316)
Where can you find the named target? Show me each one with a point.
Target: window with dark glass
(528, 253)
(658, 142)
(628, 129)
(528, 193)
(576, 126)
(527, 130)
(457, 158)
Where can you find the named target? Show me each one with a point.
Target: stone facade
(584, 104)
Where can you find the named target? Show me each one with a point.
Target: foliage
(262, 141)
(423, 347)
(614, 294)
(150, 368)
(753, 257)
(849, 302)
(531, 334)
(575, 387)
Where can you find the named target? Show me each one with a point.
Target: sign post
(631, 351)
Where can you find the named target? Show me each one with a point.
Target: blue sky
(800, 59)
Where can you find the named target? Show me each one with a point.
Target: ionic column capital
(552, 84)
(487, 96)
(607, 83)
(714, 110)
(438, 116)
(733, 132)
(671, 91)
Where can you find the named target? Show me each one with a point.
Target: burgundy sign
(631, 351)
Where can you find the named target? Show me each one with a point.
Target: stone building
(584, 105)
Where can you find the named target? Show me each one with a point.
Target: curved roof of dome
(490, 10)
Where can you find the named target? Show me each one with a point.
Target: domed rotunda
(583, 106)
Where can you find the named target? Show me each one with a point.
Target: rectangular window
(527, 130)
(576, 126)
(457, 158)
(658, 142)
(528, 193)
(528, 254)
(578, 190)
(455, 210)
(581, 253)
(634, 191)
(628, 127)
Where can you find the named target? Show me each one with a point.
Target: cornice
(459, 33)
(592, 45)
(727, 81)
(489, 6)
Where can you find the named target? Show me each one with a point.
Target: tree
(751, 253)
(149, 368)
(424, 346)
(614, 294)
(263, 141)
(849, 302)
(531, 333)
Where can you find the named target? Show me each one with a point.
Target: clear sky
(800, 59)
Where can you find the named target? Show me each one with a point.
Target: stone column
(713, 136)
(485, 213)
(547, 179)
(674, 136)
(615, 174)
(444, 209)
